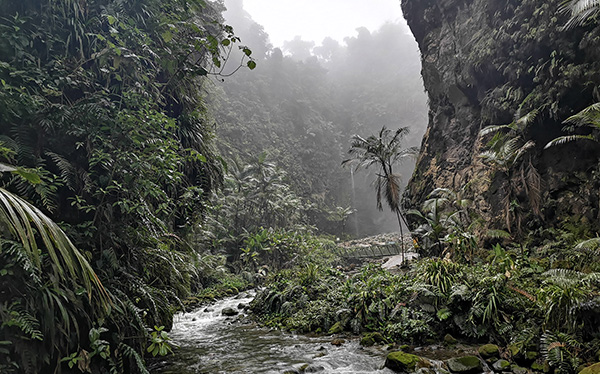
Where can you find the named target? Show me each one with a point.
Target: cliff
(485, 62)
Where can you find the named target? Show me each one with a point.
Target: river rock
(371, 339)
(518, 370)
(489, 350)
(465, 365)
(405, 362)
(229, 312)
(313, 369)
(449, 339)
(242, 306)
(337, 342)
(501, 365)
(291, 371)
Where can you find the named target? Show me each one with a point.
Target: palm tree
(581, 11)
(383, 151)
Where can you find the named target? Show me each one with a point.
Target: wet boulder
(371, 339)
(501, 365)
(229, 312)
(465, 365)
(489, 351)
(405, 362)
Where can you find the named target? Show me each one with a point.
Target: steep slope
(486, 62)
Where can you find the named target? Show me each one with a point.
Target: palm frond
(580, 10)
(593, 244)
(493, 129)
(24, 221)
(567, 139)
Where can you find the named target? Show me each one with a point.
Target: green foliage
(509, 152)
(159, 342)
(100, 102)
(446, 224)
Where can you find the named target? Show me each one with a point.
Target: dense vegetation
(103, 128)
(116, 209)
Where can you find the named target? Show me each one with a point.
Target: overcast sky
(316, 19)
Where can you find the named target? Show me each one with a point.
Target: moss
(465, 365)
(489, 350)
(536, 366)
(336, 328)
(403, 362)
(449, 339)
(371, 339)
(592, 369)
(501, 365)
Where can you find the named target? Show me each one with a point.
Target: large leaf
(28, 225)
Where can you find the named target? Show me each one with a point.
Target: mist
(303, 103)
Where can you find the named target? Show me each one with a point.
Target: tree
(383, 151)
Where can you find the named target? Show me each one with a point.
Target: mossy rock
(371, 339)
(518, 370)
(489, 350)
(514, 350)
(405, 362)
(592, 369)
(465, 365)
(404, 348)
(536, 366)
(501, 365)
(336, 328)
(449, 339)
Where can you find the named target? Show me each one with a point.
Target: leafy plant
(159, 342)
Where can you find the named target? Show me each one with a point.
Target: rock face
(484, 62)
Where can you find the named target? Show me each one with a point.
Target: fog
(306, 99)
(314, 20)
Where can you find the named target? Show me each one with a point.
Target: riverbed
(212, 343)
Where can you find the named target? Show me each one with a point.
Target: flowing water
(211, 343)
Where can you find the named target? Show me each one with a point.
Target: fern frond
(567, 139)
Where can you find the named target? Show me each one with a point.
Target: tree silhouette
(383, 151)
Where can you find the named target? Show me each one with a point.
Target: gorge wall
(483, 63)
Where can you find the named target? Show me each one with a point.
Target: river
(212, 343)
